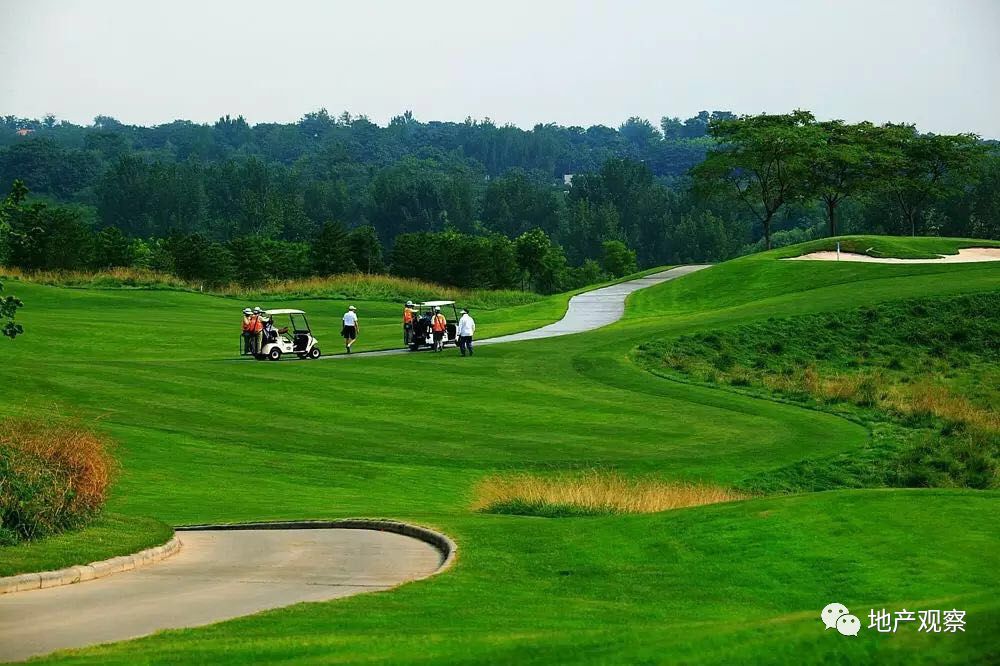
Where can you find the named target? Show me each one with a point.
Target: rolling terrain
(204, 438)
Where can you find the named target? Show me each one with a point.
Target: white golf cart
(295, 338)
(422, 334)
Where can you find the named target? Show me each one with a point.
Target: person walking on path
(466, 329)
(351, 327)
(409, 314)
(439, 325)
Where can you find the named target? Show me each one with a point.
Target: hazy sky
(935, 63)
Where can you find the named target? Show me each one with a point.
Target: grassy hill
(203, 438)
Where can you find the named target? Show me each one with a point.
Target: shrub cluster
(54, 475)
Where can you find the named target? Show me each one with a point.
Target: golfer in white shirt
(351, 327)
(466, 329)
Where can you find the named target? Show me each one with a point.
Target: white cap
(247, 310)
(352, 308)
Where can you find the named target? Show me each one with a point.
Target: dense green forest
(472, 204)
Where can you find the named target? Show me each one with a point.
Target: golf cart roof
(437, 304)
(281, 312)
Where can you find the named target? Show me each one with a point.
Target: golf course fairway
(204, 439)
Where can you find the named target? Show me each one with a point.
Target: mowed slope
(205, 439)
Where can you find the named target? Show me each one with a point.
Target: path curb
(447, 547)
(84, 572)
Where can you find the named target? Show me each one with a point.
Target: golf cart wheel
(314, 353)
(414, 346)
(274, 354)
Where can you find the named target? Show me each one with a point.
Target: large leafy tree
(542, 261)
(762, 160)
(920, 168)
(618, 260)
(844, 162)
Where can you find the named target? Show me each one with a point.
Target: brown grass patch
(591, 493)
(56, 474)
(929, 399)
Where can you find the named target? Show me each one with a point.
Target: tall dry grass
(926, 398)
(593, 492)
(348, 286)
(879, 390)
(363, 286)
(109, 278)
(54, 474)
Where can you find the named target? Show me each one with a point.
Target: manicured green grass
(900, 247)
(206, 439)
(147, 324)
(110, 535)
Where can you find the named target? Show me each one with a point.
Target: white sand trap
(966, 255)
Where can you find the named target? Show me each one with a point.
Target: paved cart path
(586, 312)
(217, 575)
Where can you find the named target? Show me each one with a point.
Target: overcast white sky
(932, 62)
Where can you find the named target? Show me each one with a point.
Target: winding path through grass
(586, 312)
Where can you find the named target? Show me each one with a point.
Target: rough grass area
(931, 366)
(357, 286)
(54, 475)
(109, 535)
(595, 493)
(898, 247)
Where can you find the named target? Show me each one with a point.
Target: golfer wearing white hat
(466, 329)
(351, 327)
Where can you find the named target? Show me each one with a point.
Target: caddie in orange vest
(256, 327)
(438, 326)
(247, 333)
(409, 314)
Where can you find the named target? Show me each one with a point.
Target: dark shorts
(349, 332)
(438, 336)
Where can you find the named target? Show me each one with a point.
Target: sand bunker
(965, 256)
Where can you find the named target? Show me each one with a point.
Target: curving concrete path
(217, 575)
(586, 312)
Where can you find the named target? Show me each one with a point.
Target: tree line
(473, 204)
(37, 236)
(771, 161)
